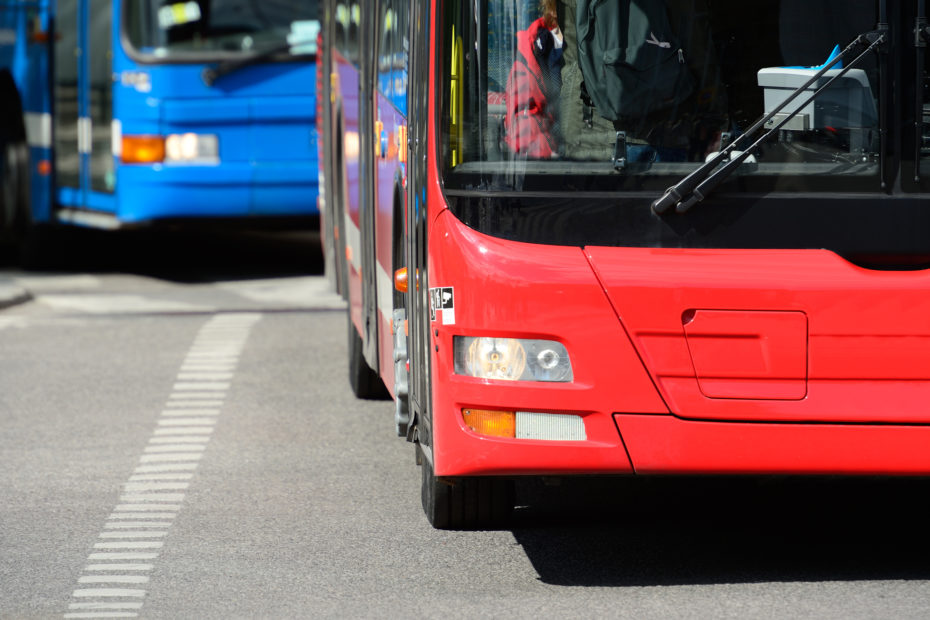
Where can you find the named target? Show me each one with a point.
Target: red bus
(644, 238)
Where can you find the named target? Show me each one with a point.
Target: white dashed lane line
(133, 536)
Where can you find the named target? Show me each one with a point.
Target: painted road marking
(102, 614)
(179, 412)
(205, 376)
(123, 304)
(121, 555)
(187, 422)
(133, 534)
(163, 467)
(115, 605)
(190, 430)
(130, 544)
(87, 592)
(144, 507)
(153, 497)
(193, 396)
(195, 403)
(219, 386)
(150, 500)
(173, 447)
(114, 579)
(179, 439)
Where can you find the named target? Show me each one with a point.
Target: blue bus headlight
(191, 148)
(511, 359)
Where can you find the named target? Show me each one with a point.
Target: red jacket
(530, 119)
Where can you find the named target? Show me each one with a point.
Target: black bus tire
(466, 503)
(364, 381)
(17, 218)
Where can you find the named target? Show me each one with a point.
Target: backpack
(631, 60)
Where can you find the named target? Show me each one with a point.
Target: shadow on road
(612, 532)
(178, 254)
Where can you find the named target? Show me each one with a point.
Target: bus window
(67, 160)
(102, 165)
(386, 49)
(341, 30)
(392, 54)
(353, 34)
(166, 28)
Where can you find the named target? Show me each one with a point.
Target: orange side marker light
(400, 280)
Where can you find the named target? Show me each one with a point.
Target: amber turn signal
(143, 149)
(491, 422)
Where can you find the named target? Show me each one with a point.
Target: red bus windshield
(567, 122)
(634, 95)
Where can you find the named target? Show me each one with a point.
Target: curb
(12, 294)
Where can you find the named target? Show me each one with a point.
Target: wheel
(29, 242)
(14, 195)
(10, 189)
(465, 503)
(364, 381)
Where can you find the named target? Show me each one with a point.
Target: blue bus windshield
(178, 29)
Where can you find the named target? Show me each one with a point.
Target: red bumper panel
(660, 444)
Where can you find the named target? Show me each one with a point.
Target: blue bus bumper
(272, 189)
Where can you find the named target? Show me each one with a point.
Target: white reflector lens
(511, 359)
(173, 147)
(550, 426)
(191, 148)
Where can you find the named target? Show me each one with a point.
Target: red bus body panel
(670, 445)
(852, 345)
(813, 376)
(518, 290)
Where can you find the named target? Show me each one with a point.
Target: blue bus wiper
(210, 75)
(699, 184)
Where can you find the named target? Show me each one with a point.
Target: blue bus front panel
(262, 119)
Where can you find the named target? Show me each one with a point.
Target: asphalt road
(179, 441)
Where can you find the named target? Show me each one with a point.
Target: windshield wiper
(210, 75)
(699, 184)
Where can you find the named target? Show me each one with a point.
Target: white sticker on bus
(178, 14)
(442, 305)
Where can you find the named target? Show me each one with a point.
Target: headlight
(512, 359)
(192, 148)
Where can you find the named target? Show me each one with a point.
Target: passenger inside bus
(533, 88)
(550, 86)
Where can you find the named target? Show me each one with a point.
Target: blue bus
(117, 113)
